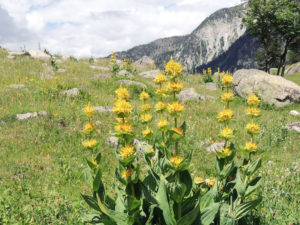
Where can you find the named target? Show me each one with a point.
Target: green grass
(42, 162)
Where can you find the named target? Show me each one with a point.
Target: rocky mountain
(220, 40)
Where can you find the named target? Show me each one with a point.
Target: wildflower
(173, 68)
(146, 117)
(94, 162)
(176, 160)
(122, 107)
(161, 91)
(218, 69)
(90, 143)
(145, 107)
(144, 96)
(210, 182)
(127, 173)
(123, 119)
(175, 108)
(226, 133)
(209, 71)
(89, 127)
(127, 151)
(252, 128)
(174, 87)
(227, 80)
(251, 146)
(253, 112)
(253, 100)
(204, 71)
(125, 128)
(160, 106)
(162, 124)
(178, 131)
(199, 180)
(147, 132)
(227, 97)
(122, 93)
(89, 110)
(225, 115)
(160, 79)
(223, 153)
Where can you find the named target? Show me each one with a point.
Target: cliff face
(210, 43)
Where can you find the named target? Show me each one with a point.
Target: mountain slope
(208, 42)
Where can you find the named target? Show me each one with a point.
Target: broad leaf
(190, 217)
(92, 202)
(252, 186)
(209, 197)
(239, 185)
(97, 180)
(244, 208)
(253, 166)
(208, 214)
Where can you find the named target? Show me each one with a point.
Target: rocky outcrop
(151, 74)
(274, 90)
(294, 68)
(100, 68)
(294, 126)
(103, 108)
(191, 94)
(71, 92)
(144, 62)
(131, 82)
(38, 54)
(124, 73)
(29, 115)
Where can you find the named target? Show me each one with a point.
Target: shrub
(167, 193)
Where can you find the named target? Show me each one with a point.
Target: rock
(112, 141)
(47, 77)
(294, 68)
(210, 86)
(149, 74)
(65, 57)
(274, 90)
(294, 113)
(144, 62)
(124, 73)
(100, 68)
(16, 86)
(103, 108)
(71, 92)
(60, 70)
(17, 53)
(215, 146)
(101, 76)
(119, 62)
(10, 57)
(191, 94)
(30, 115)
(294, 126)
(38, 54)
(130, 82)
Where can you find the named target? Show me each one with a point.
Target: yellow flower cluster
(227, 80)
(224, 153)
(227, 97)
(127, 151)
(173, 68)
(209, 71)
(146, 118)
(175, 108)
(253, 112)
(174, 87)
(89, 110)
(160, 79)
(88, 128)
(251, 146)
(144, 96)
(145, 107)
(162, 124)
(178, 131)
(161, 91)
(176, 160)
(209, 181)
(252, 128)
(122, 107)
(225, 115)
(122, 93)
(226, 133)
(127, 173)
(147, 132)
(124, 128)
(90, 143)
(253, 100)
(160, 106)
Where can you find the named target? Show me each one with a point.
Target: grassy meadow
(42, 161)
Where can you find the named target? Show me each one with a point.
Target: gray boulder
(274, 90)
(130, 82)
(103, 108)
(294, 113)
(100, 68)
(124, 73)
(71, 92)
(16, 86)
(215, 146)
(101, 76)
(144, 62)
(38, 54)
(210, 86)
(149, 74)
(294, 126)
(294, 68)
(26, 116)
(191, 94)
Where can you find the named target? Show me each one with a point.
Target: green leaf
(244, 208)
(185, 163)
(209, 197)
(253, 166)
(239, 185)
(88, 176)
(151, 214)
(252, 186)
(226, 215)
(163, 203)
(90, 164)
(92, 202)
(190, 217)
(227, 170)
(208, 214)
(183, 126)
(132, 203)
(97, 180)
(98, 158)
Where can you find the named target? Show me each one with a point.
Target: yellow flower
(161, 91)
(223, 153)
(147, 132)
(175, 108)
(210, 182)
(227, 97)
(218, 69)
(127, 173)
(226, 133)
(204, 71)
(90, 143)
(89, 127)
(94, 162)
(178, 131)
(253, 112)
(162, 124)
(252, 128)
(144, 96)
(160, 106)
(227, 80)
(173, 68)
(89, 110)
(124, 128)
(199, 180)
(225, 115)
(145, 107)
(127, 151)
(122, 107)
(122, 93)
(123, 119)
(253, 100)
(209, 71)
(160, 79)
(146, 117)
(251, 146)
(176, 160)
(174, 87)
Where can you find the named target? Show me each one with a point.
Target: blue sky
(85, 28)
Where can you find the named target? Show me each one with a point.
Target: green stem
(179, 210)
(132, 189)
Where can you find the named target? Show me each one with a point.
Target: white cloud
(95, 27)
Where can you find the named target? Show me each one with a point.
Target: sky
(93, 28)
